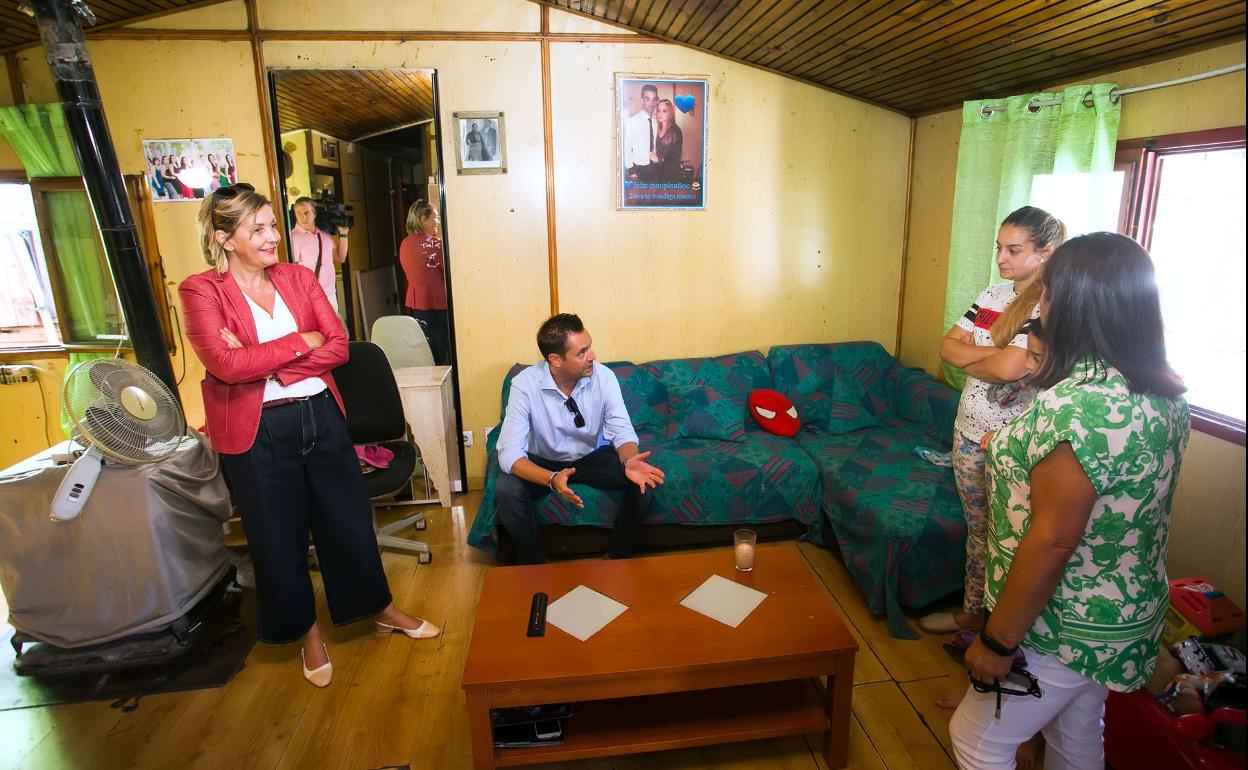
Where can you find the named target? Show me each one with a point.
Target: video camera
(331, 214)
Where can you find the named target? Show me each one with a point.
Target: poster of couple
(660, 131)
(188, 169)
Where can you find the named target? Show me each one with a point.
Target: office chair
(375, 416)
(404, 341)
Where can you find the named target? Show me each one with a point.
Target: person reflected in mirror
(316, 250)
(421, 258)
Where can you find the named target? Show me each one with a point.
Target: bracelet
(551, 484)
(996, 647)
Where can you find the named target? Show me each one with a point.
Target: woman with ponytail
(420, 256)
(990, 343)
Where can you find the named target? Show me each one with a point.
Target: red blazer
(233, 388)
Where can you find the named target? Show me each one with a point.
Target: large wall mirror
(362, 179)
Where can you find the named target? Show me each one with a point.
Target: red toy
(1205, 607)
(1141, 735)
(773, 410)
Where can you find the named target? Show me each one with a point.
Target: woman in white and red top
(269, 341)
(420, 256)
(990, 343)
(316, 250)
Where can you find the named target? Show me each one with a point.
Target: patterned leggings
(972, 481)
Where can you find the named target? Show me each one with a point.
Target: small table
(429, 407)
(661, 676)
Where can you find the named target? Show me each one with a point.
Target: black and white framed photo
(480, 143)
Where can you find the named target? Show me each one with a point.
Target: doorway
(361, 188)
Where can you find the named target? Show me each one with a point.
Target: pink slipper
(374, 455)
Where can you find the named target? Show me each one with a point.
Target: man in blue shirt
(565, 416)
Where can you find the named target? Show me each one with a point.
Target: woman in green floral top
(1080, 513)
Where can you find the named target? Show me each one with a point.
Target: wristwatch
(995, 646)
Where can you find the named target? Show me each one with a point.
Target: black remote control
(537, 615)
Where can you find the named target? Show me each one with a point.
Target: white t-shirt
(977, 413)
(276, 326)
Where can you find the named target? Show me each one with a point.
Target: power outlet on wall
(467, 437)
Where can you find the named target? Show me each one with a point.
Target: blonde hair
(1045, 232)
(420, 210)
(225, 212)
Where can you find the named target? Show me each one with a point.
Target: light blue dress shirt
(538, 423)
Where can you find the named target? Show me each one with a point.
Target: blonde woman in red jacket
(268, 339)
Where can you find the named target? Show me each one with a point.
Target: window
(1184, 201)
(56, 288)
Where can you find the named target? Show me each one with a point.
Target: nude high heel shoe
(425, 630)
(321, 675)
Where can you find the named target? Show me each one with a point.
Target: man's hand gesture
(560, 485)
(642, 473)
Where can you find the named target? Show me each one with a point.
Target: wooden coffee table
(661, 676)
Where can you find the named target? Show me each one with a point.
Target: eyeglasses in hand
(574, 409)
(1019, 681)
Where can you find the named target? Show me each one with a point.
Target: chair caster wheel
(422, 524)
(425, 557)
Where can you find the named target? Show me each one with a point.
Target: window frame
(1140, 159)
(141, 205)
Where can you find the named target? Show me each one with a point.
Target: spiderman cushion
(774, 412)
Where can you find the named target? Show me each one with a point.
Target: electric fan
(121, 411)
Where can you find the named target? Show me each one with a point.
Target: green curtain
(1003, 162)
(38, 135)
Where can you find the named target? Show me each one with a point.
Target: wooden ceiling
(18, 29)
(352, 104)
(919, 56)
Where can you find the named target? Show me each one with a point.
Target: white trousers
(1070, 714)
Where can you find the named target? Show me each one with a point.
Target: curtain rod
(1035, 104)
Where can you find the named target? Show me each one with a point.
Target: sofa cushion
(732, 376)
(846, 411)
(801, 371)
(703, 412)
(644, 395)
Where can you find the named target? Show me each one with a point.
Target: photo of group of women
(188, 169)
(661, 140)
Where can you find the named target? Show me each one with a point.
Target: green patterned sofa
(683, 410)
(895, 517)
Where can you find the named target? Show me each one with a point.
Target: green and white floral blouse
(1105, 618)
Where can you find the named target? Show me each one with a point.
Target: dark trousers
(301, 474)
(437, 331)
(600, 469)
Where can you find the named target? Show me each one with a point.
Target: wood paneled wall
(801, 239)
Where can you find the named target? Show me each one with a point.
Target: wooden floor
(396, 702)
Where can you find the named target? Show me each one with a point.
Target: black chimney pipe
(66, 51)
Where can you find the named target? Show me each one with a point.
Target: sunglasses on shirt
(574, 409)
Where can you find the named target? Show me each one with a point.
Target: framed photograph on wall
(188, 169)
(480, 143)
(660, 139)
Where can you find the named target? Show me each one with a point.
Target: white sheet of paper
(583, 612)
(721, 599)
